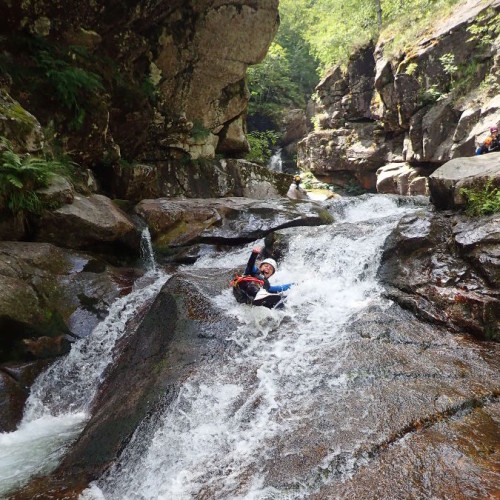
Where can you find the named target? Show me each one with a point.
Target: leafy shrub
(20, 177)
(482, 201)
(44, 69)
(431, 95)
(485, 29)
(260, 145)
(71, 85)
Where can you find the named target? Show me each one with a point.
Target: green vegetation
(287, 76)
(59, 74)
(72, 86)
(405, 22)
(260, 145)
(21, 176)
(317, 34)
(482, 201)
(485, 29)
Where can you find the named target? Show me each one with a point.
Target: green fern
(72, 85)
(20, 177)
(483, 201)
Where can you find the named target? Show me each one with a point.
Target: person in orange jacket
(491, 143)
(254, 287)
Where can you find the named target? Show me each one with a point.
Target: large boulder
(89, 222)
(446, 182)
(457, 288)
(401, 178)
(175, 224)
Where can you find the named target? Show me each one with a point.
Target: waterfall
(147, 253)
(276, 161)
(219, 437)
(60, 398)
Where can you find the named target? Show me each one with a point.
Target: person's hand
(257, 250)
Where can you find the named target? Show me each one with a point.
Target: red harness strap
(239, 279)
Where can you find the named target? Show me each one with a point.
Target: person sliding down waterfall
(254, 287)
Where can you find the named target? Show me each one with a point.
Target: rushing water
(219, 437)
(57, 408)
(276, 161)
(147, 253)
(298, 397)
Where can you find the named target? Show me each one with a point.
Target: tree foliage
(261, 144)
(316, 34)
(287, 76)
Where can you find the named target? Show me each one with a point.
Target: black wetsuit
(246, 291)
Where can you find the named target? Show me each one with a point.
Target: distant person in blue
(491, 143)
(254, 287)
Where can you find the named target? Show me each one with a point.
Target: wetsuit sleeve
(251, 268)
(280, 288)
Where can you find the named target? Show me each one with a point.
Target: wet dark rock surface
(48, 297)
(176, 224)
(393, 407)
(445, 268)
(15, 381)
(180, 329)
(417, 417)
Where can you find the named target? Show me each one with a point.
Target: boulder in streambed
(91, 222)
(175, 224)
(181, 326)
(403, 179)
(469, 172)
(48, 296)
(445, 269)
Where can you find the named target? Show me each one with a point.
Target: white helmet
(271, 262)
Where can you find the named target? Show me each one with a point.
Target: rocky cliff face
(422, 107)
(140, 80)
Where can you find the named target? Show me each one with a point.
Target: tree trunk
(379, 12)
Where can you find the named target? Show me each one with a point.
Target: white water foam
(276, 161)
(36, 446)
(147, 252)
(70, 384)
(219, 437)
(58, 405)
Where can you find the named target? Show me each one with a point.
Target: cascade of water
(220, 435)
(276, 161)
(57, 407)
(147, 252)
